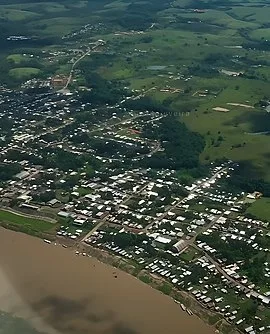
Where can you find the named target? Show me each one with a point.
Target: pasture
(193, 47)
(260, 208)
(24, 72)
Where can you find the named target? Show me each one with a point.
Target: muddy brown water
(59, 292)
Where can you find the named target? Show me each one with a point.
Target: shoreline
(98, 294)
(209, 318)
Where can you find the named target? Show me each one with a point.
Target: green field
(24, 72)
(260, 209)
(192, 47)
(17, 15)
(25, 222)
(17, 58)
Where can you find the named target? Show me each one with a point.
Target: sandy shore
(60, 292)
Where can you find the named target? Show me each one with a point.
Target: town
(143, 142)
(195, 238)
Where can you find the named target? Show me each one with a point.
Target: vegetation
(166, 288)
(246, 178)
(101, 91)
(125, 240)
(181, 147)
(7, 171)
(24, 221)
(260, 209)
(230, 250)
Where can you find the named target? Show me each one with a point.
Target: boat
(183, 307)
(47, 241)
(189, 312)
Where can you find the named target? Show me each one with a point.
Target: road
(170, 207)
(94, 229)
(104, 220)
(75, 64)
(222, 271)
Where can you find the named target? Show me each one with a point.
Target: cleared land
(24, 221)
(260, 208)
(23, 72)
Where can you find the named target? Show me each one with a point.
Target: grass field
(260, 34)
(24, 72)
(27, 222)
(18, 58)
(17, 15)
(260, 209)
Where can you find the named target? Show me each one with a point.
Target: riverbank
(60, 292)
(208, 316)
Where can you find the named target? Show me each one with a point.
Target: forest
(246, 178)
(181, 147)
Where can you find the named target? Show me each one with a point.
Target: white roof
(163, 240)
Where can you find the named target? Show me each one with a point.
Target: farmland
(140, 129)
(193, 59)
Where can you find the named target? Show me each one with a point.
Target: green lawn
(259, 34)
(189, 255)
(261, 208)
(234, 126)
(84, 191)
(24, 72)
(17, 58)
(27, 222)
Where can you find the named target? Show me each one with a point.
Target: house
(79, 222)
(163, 240)
(180, 245)
(249, 329)
(22, 175)
(63, 214)
(52, 202)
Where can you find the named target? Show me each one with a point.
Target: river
(60, 292)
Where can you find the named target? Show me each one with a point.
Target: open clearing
(31, 223)
(260, 208)
(18, 58)
(24, 72)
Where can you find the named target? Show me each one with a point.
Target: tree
(181, 146)
(250, 309)
(124, 240)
